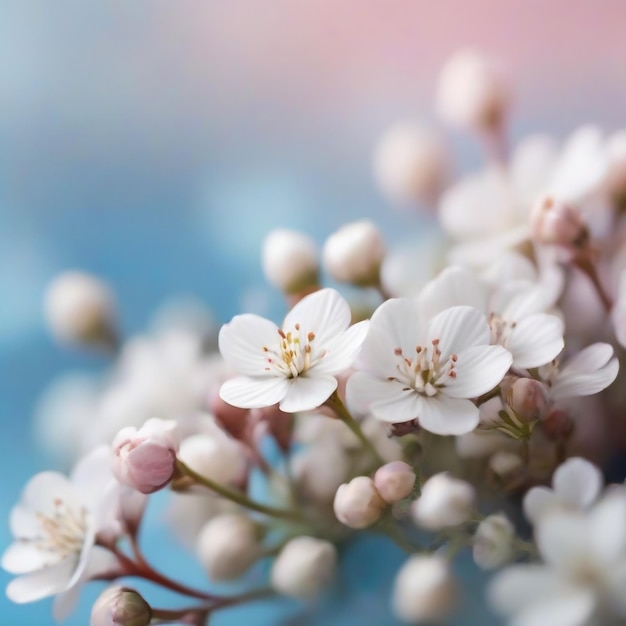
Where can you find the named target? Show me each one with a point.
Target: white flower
(583, 578)
(413, 370)
(516, 313)
(576, 485)
(294, 365)
(493, 542)
(55, 527)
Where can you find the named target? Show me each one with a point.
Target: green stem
(239, 497)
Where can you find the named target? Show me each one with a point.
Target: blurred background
(155, 143)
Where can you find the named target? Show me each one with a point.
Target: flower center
(295, 353)
(64, 531)
(500, 329)
(425, 373)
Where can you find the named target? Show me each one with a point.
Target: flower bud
(473, 92)
(493, 542)
(290, 261)
(217, 457)
(358, 504)
(304, 567)
(444, 502)
(410, 164)
(504, 462)
(557, 425)
(394, 481)
(528, 398)
(553, 222)
(424, 590)
(80, 309)
(119, 606)
(353, 254)
(616, 180)
(145, 459)
(233, 419)
(228, 545)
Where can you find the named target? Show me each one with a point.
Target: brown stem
(586, 265)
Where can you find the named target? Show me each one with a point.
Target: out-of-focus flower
(582, 578)
(80, 309)
(616, 179)
(394, 481)
(410, 163)
(553, 222)
(294, 365)
(120, 606)
(576, 485)
(320, 468)
(228, 545)
(424, 590)
(427, 371)
(473, 92)
(55, 526)
(354, 253)
(358, 503)
(290, 261)
(304, 567)
(493, 542)
(444, 502)
(145, 459)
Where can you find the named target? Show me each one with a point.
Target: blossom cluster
(485, 367)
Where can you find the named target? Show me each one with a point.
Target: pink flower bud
(528, 398)
(558, 425)
(358, 503)
(553, 222)
(119, 606)
(232, 419)
(145, 459)
(394, 481)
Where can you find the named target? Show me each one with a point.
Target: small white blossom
(294, 365)
(493, 542)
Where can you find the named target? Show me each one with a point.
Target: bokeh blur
(155, 143)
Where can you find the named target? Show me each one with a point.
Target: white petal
(343, 350)
(324, 313)
(65, 603)
(24, 556)
(536, 340)
(377, 353)
(459, 328)
(305, 393)
(241, 343)
(616, 583)
(42, 490)
(573, 607)
(399, 320)
(478, 370)
(537, 502)
(42, 583)
(608, 528)
(443, 415)
(563, 540)
(574, 385)
(254, 393)
(92, 476)
(24, 522)
(591, 358)
(578, 482)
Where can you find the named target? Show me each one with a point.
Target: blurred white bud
(528, 398)
(319, 469)
(217, 457)
(410, 163)
(493, 542)
(354, 253)
(473, 92)
(145, 458)
(616, 181)
(394, 481)
(290, 261)
(304, 567)
(119, 606)
(444, 502)
(358, 503)
(555, 223)
(228, 545)
(80, 309)
(505, 462)
(424, 590)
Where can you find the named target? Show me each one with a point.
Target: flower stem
(238, 497)
(586, 265)
(336, 404)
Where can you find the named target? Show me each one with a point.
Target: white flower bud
(504, 462)
(616, 180)
(424, 590)
(217, 457)
(410, 163)
(528, 398)
(473, 92)
(304, 567)
(555, 223)
(358, 504)
(354, 253)
(445, 502)
(290, 261)
(80, 309)
(228, 545)
(394, 481)
(319, 469)
(119, 606)
(493, 542)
